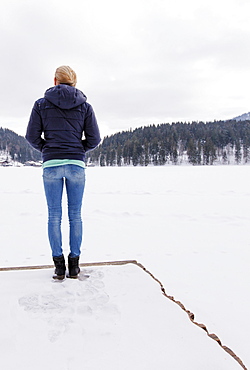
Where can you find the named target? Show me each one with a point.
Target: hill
(196, 143)
(242, 117)
(16, 147)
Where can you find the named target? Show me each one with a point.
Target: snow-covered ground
(189, 226)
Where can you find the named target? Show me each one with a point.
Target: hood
(65, 96)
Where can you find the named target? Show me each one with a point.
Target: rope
(119, 263)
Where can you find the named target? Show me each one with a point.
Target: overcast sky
(138, 61)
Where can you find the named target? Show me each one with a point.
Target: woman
(63, 116)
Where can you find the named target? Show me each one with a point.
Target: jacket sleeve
(91, 131)
(35, 129)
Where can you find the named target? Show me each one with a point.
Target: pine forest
(14, 147)
(196, 143)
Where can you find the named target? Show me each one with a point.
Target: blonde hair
(65, 74)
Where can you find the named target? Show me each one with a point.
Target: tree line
(16, 147)
(196, 143)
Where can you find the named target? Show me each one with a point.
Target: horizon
(21, 133)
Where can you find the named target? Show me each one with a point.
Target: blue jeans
(74, 178)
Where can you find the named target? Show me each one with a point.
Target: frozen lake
(188, 225)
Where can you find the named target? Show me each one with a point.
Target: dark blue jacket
(63, 116)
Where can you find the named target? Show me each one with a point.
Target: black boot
(73, 266)
(59, 268)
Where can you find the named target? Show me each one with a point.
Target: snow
(189, 226)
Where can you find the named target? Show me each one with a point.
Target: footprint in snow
(60, 306)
